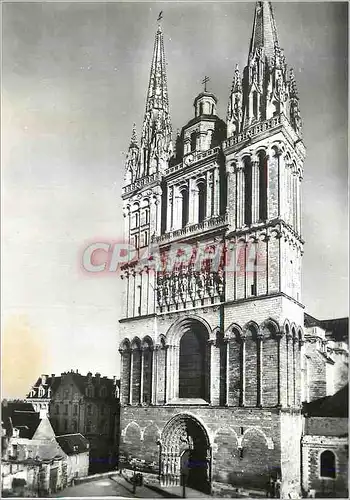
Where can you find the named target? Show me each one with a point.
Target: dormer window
(41, 392)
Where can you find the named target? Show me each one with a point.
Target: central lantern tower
(211, 345)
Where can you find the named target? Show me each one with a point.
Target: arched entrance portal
(185, 451)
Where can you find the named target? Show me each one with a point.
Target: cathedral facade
(212, 340)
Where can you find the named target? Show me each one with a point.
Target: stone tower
(211, 337)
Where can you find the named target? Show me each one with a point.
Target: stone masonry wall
(245, 442)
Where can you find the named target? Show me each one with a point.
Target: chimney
(98, 376)
(53, 375)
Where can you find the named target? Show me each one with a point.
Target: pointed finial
(160, 16)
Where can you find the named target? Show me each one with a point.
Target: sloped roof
(22, 415)
(337, 329)
(26, 421)
(72, 444)
(336, 405)
(45, 450)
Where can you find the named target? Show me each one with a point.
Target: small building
(76, 447)
(325, 445)
(32, 461)
(35, 462)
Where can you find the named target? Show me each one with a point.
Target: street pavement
(107, 487)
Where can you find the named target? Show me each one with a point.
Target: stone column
(142, 356)
(154, 375)
(227, 398)
(260, 340)
(279, 336)
(170, 212)
(240, 195)
(295, 353)
(131, 375)
(191, 202)
(242, 394)
(255, 189)
(231, 207)
(210, 184)
(299, 371)
(167, 396)
(211, 370)
(300, 206)
(177, 208)
(288, 355)
(216, 191)
(290, 194)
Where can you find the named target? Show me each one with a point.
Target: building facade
(84, 404)
(213, 339)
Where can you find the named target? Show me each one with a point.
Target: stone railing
(255, 130)
(144, 181)
(196, 156)
(191, 229)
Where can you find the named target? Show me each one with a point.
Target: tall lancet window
(247, 190)
(184, 207)
(147, 354)
(202, 201)
(193, 141)
(262, 185)
(255, 105)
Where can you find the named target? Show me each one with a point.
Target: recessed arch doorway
(185, 453)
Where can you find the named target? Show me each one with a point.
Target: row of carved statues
(188, 284)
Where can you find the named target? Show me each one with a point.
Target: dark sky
(75, 77)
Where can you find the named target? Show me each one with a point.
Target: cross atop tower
(160, 16)
(206, 79)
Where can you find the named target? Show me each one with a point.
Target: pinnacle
(293, 85)
(133, 141)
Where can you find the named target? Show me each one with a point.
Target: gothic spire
(264, 35)
(156, 144)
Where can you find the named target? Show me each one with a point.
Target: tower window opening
(247, 191)
(201, 108)
(184, 207)
(255, 105)
(262, 185)
(327, 465)
(193, 373)
(202, 199)
(193, 141)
